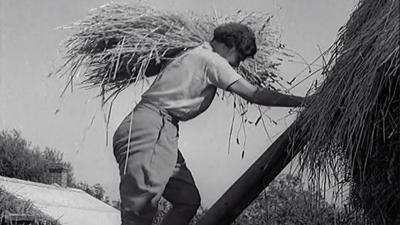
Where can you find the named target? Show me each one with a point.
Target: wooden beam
(251, 183)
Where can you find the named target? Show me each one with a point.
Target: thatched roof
(353, 126)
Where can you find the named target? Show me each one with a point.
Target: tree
(20, 159)
(116, 204)
(287, 202)
(96, 190)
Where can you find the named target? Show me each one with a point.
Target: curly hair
(237, 35)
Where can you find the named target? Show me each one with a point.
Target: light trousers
(150, 164)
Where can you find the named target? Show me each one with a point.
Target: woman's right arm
(264, 96)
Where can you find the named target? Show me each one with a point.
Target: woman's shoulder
(205, 53)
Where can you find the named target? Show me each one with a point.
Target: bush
(286, 202)
(20, 159)
(10, 204)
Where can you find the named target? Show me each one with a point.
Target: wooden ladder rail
(256, 178)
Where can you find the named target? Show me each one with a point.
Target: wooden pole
(251, 183)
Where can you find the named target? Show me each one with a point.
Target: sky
(30, 50)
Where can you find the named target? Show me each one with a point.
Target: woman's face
(234, 57)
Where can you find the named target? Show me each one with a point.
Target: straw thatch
(117, 45)
(353, 126)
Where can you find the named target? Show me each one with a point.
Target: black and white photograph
(187, 112)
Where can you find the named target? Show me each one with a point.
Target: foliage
(286, 202)
(116, 204)
(164, 206)
(96, 190)
(11, 204)
(20, 159)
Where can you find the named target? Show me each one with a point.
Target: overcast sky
(28, 98)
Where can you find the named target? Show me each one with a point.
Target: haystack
(119, 45)
(353, 126)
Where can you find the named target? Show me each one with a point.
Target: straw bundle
(353, 126)
(117, 45)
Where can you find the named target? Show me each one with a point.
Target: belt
(164, 112)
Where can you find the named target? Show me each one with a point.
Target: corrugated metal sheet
(70, 206)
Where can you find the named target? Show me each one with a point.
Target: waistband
(163, 112)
